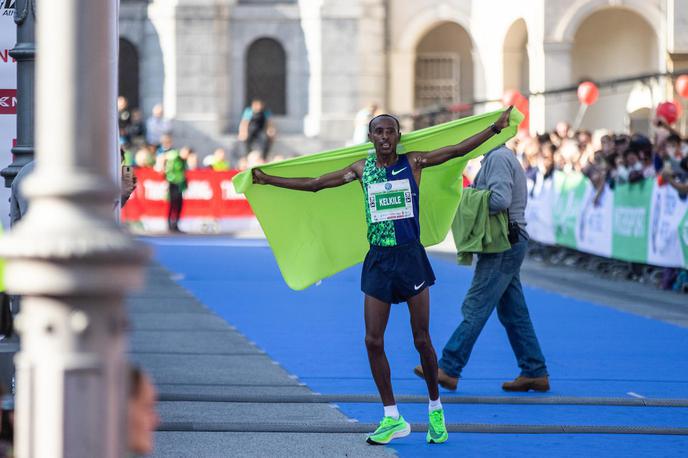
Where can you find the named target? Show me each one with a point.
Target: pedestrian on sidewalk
(396, 268)
(497, 284)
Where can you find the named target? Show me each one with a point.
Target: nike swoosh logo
(396, 172)
(434, 434)
(417, 287)
(386, 429)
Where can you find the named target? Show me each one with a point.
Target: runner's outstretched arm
(329, 180)
(442, 155)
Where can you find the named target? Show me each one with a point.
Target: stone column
(401, 82)
(195, 44)
(24, 53)
(312, 30)
(345, 42)
(550, 68)
(67, 257)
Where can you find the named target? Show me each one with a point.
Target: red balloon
(670, 111)
(588, 93)
(522, 105)
(512, 97)
(682, 86)
(679, 108)
(518, 100)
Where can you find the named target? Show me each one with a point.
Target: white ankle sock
(392, 411)
(434, 405)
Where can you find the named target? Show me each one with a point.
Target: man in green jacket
(175, 174)
(497, 284)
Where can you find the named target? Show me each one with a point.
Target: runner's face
(385, 135)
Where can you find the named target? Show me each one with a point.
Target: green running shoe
(437, 432)
(390, 428)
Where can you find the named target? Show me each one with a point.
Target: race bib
(390, 200)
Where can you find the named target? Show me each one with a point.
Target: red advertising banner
(8, 98)
(8, 101)
(210, 203)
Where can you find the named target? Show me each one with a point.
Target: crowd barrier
(210, 203)
(642, 222)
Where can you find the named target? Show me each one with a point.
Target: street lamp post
(67, 257)
(24, 53)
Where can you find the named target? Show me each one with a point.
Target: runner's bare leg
(419, 309)
(376, 315)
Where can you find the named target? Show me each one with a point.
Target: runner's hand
(258, 176)
(503, 120)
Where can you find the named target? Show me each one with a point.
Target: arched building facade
(319, 61)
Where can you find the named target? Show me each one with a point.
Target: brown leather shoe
(526, 384)
(445, 380)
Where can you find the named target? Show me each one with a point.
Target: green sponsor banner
(568, 206)
(390, 200)
(683, 236)
(630, 221)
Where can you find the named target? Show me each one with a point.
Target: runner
(396, 269)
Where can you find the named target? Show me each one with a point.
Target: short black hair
(640, 142)
(383, 115)
(673, 138)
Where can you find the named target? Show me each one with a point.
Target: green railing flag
(315, 235)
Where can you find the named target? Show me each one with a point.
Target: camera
(513, 232)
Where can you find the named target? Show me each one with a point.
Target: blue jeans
(496, 283)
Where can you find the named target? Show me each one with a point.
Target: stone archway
(516, 62)
(266, 74)
(444, 69)
(601, 46)
(128, 74)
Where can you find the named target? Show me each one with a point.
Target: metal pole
(24, 53)
(67, 257)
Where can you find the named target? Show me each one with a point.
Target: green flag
(315, 235)
(631, 221)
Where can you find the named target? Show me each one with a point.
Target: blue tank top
(391, 202)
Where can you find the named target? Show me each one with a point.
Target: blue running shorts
(396, 273)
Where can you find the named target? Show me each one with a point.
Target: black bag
(6, 318)
(513, 228)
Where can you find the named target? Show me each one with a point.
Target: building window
(128, 78)
(437, 79)
(266, 75)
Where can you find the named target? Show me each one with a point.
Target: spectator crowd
(607, 160)
(150, 142)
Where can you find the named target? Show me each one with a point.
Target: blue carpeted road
(317, 335)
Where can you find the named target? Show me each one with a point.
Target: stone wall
(340, 55)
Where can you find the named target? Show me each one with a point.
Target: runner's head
(384, 133)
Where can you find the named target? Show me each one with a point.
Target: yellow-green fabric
(475, 230)
(315, 235)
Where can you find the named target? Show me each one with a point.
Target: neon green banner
(315, 235)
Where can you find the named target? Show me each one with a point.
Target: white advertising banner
(667, 209)
(594, 229)
(642, 222)
(8, 98)
(539, 210)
